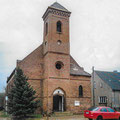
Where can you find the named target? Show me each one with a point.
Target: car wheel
(99, 118)
(119, 118)
(90, 119)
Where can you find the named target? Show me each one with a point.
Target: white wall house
(106, 89)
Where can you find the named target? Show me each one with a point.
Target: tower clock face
(59, 65)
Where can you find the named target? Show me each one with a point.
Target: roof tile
(110, 78)
(58, 6)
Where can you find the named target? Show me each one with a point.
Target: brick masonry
(39, 67)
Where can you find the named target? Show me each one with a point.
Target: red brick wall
(39, 66)
(71, 89)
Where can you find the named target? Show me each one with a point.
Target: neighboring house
(60, 83)
(106, 88)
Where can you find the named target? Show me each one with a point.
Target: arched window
(80, 91)
(59, 26)
(46, 29)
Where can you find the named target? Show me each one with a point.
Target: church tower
(56, 50)
(56, 46)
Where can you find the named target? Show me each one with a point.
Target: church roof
(58, 6)
(76, 70)
(110, 78)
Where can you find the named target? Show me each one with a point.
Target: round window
(59, 42)
(59, 65)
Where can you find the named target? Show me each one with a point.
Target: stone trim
(58, 78)
(56, 53)
(35, 79)
(56, 12)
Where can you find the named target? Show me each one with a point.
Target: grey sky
(94, 32)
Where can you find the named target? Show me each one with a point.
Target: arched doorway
(58, 100)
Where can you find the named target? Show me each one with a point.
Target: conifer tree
(21, 98)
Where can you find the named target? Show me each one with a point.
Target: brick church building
(60, 83)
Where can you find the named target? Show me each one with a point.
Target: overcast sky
(94, 32)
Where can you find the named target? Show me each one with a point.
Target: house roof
(110, 78)
(76, 70)
(58, 6)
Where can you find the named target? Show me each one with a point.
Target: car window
(96, 109)
(103, 110)
(110, 110)
(93, 108)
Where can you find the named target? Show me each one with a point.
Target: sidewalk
(74, 117)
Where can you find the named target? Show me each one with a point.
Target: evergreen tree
(21, 98)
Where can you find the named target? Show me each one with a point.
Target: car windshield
(93, 108)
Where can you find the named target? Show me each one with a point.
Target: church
(60, 83)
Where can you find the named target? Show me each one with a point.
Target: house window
(46, 29)
(59, 26)
(101, 85)
(102, 99)
(80, 91)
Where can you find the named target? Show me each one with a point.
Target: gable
(32, 65)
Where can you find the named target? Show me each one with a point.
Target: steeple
(56, 29)
(56, 5)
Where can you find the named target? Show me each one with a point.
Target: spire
(56, 5)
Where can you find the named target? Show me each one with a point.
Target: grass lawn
(3, 114)
(37, 116)
(34, 117)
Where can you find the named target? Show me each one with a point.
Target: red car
(100, 113)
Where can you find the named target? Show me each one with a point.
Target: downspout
(93, 86)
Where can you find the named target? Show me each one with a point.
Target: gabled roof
(110, 78)
(76, 70)
(56, 5)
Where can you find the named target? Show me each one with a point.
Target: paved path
(5, 118)
(77, 117)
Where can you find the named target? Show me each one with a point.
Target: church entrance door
(58, 101)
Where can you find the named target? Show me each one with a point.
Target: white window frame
(102, 99)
